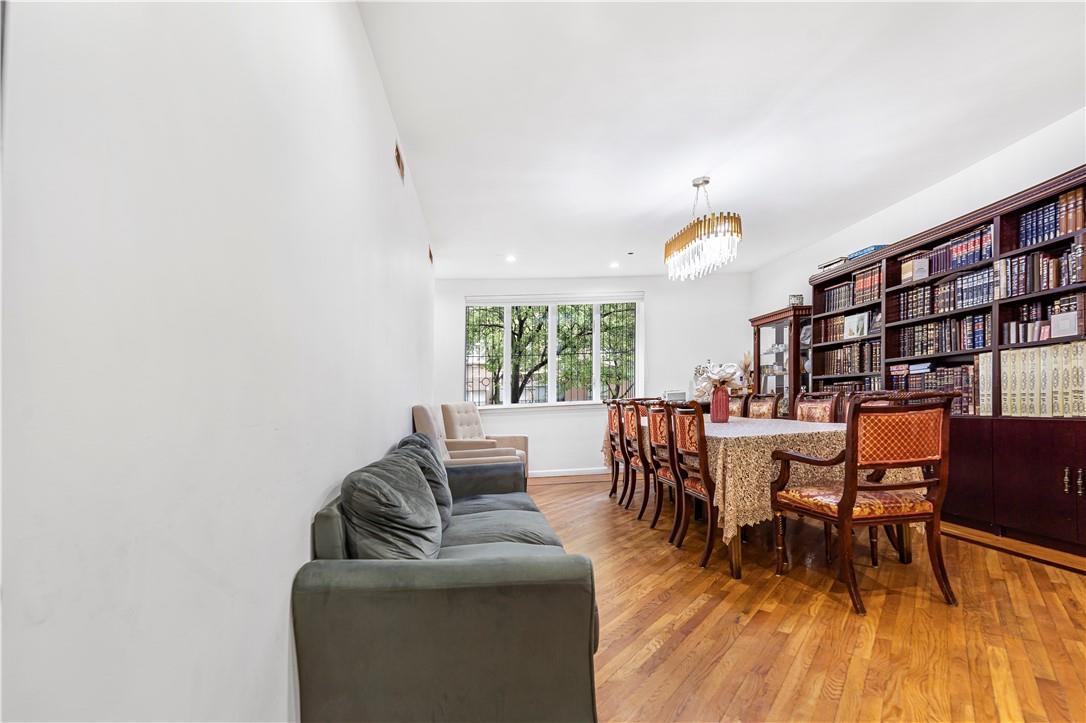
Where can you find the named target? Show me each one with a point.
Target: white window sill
(501, 408)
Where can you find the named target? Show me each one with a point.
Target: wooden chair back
(662, 441)
(737, 405)
(817, 407)
(633, 433)
(691, 453)
(904, 429)
(615, 431)
(764, 406)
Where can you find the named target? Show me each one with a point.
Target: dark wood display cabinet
(782, 353)
(993, 305)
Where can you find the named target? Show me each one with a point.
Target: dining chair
(892, 430)
(662, 459)
(817, 406)
(692, 469)
(737, 405)
(633, 412)
(764, 406)
(618, 449)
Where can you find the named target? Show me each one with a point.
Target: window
(529, 352)
(484, 355)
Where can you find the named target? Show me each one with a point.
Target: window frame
(552, 302)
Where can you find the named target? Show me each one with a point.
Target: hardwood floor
(679, 642)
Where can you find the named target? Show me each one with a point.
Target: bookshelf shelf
(1043, 342)
(942, 276)
(839, 342)
(858, 375)
(1059, 291)
(996, 453)
(941, 315)
(938, 355)
(849, 309)
(1058, 241)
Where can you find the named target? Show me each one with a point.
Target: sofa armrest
(456, 445)
(492, 639)
(486, 479)
(516, 441)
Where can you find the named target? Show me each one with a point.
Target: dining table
(743, 469)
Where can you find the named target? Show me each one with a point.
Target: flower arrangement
(710, 376)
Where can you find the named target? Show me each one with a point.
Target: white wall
(684, 323)
(216, 302)
(1048, 152)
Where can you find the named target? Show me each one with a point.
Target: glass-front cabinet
(782, 347)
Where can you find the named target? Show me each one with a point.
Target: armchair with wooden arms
(887, 431)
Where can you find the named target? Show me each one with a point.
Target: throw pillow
(436, 477)
(390, 512)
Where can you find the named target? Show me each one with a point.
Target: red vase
(718, 407)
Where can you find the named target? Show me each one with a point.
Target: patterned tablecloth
(742, 466)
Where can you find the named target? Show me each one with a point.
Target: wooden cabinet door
(1078, 428)
(1031, 457)
(969, 491)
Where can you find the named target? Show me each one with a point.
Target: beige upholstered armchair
(464, 424)
(457, 452)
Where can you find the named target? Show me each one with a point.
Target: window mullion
(507, 354)
(552, 352)
(639, 347)
(597, 391)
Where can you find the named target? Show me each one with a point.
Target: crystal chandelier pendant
(706, 243)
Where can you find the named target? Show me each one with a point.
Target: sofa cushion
(436, 476)
(390, 512)
(499, 526)
(489, 503)
(497, 549)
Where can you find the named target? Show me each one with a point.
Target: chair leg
(891, 535)
(935, 552)
(905, 543)
(614, 479)
(625, 484)
(633, 486)
(650, 479)
(778, 540)
(873, 537)
(827, 531)
(679, 497)
(848, 570)
(659, 503)
(687, 505)
(710, 539)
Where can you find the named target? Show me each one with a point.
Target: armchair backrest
(737, 405)
(430, 425)
(906, 429)
(462, 421)
(763, 406)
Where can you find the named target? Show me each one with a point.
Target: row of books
(1066, 316)
(928, 378)
(963, 250)
(1062, 216)
(838, 328)
(867, 384)
(1040, 271)
(856, 358)
(935, 337)
(1044, 381)
(972, 289)
(865, 286)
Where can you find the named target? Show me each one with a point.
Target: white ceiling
(567, 134)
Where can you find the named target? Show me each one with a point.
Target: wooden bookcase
(781, 350)
(1011, 475)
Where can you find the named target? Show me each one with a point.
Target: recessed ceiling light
(614, 264)
(511, 258)
(629, 253)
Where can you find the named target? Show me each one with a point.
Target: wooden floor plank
(679, 642)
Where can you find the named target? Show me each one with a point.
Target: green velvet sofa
(500, 626)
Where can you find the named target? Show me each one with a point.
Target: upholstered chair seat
(868, 503)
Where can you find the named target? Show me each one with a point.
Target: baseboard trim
(572, 472)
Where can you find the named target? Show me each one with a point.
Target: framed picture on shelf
(855, 325)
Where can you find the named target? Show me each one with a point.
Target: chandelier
(706, 243)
